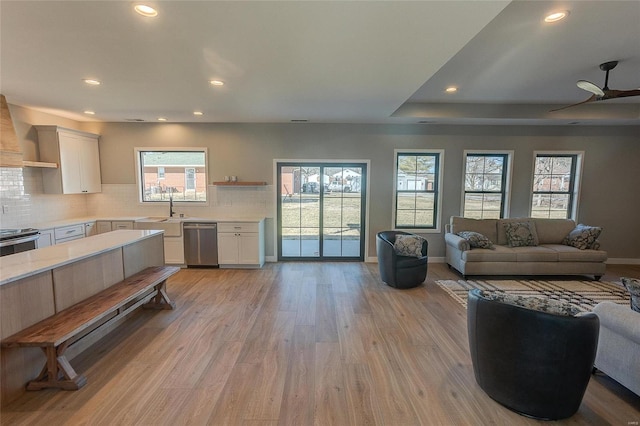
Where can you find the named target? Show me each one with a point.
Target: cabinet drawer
(115, 225)
(69, 231)
(64, 240)
(238, 227)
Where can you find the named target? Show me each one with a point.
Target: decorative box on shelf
(247, 183)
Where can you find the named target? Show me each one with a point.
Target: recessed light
(556, 16)
(144, 10)
(162, 119)
(198, 113)
(92, 82)
(88, 112)
(451, 89)
(216, 83)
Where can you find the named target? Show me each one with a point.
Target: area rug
(584, 295)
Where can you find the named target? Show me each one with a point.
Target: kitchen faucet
(171, 212)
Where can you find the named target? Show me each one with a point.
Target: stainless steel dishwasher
(200, 244)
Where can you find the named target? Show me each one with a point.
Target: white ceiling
(323, 61)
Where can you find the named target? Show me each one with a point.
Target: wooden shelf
(40, 164)
(239, 183)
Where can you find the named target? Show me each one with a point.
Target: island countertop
(21, 265)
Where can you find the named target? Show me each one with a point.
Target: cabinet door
(103, 226)
(228, 245)
(173, 250)
(46, 238)
(89, 165)
(249, 248)
(70, 147)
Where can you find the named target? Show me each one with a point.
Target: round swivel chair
(535, 363)
(400, 271)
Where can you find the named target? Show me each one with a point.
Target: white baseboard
(622, 261)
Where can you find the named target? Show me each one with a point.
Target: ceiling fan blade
(591, 99)
(590, 87)
(612, 94)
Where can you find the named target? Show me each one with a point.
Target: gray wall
(611, 178)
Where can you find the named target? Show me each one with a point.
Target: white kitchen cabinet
(90, 229)
(241, 244)
(68, 233)
(46, 238)
(173, 250)
(103, 226)
(78, 159)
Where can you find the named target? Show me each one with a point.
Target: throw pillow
(633, 287)
(476, 239)
(521, 234)
(408, 245)
(547, 305)
(583, 237)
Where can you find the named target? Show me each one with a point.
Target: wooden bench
(55, 333)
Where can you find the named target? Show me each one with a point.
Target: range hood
(10, 149)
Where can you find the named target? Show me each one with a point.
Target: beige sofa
(549, 257)
(619, 344)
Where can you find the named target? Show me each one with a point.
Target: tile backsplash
(25, 204)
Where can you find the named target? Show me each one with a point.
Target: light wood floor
(296, 344)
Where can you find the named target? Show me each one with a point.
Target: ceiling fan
(605, 93)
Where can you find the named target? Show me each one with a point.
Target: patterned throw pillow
(476, 239)
(633, 287)
(583, 237)
(521, 234)
(408, 245)
(547, 305)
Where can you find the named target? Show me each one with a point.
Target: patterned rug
(584, 295)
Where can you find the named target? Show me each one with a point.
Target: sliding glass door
(321, 211)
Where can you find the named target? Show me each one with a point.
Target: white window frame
(508, 177)
(440, 172)
(138, 171)
(578, 178)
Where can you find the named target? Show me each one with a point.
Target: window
(555, 185)
(417, 189)
(485, 185)
(177, 173)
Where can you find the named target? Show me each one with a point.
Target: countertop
(28, 263)
(79, 220)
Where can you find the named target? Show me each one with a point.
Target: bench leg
(161, 299)
(57, 372)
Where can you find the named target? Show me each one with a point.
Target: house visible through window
(177, 173)
(417, 194)
(485, 185)
(555, 185)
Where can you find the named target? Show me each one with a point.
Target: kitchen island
(39, 283)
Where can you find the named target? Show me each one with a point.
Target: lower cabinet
(46, 239)
(173, 250)
(112, 225)
(241, 244)
(69, 233)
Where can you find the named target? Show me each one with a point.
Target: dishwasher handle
(200, 226)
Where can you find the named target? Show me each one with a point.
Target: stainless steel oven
(17, 240)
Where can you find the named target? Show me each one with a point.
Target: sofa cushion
(582, 236)
(547, 305)
(408, 245)
(521, 234)
(476, 239)
(633, 287)
(572, 254)
(501, 231)
(486, 227)
(535, 254)
(498, 254)
(552, 231)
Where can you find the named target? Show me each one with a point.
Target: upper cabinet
(78, 157)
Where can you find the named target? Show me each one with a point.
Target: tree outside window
(485, 185)
(554, 186)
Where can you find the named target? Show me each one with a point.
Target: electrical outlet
(5, 209)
